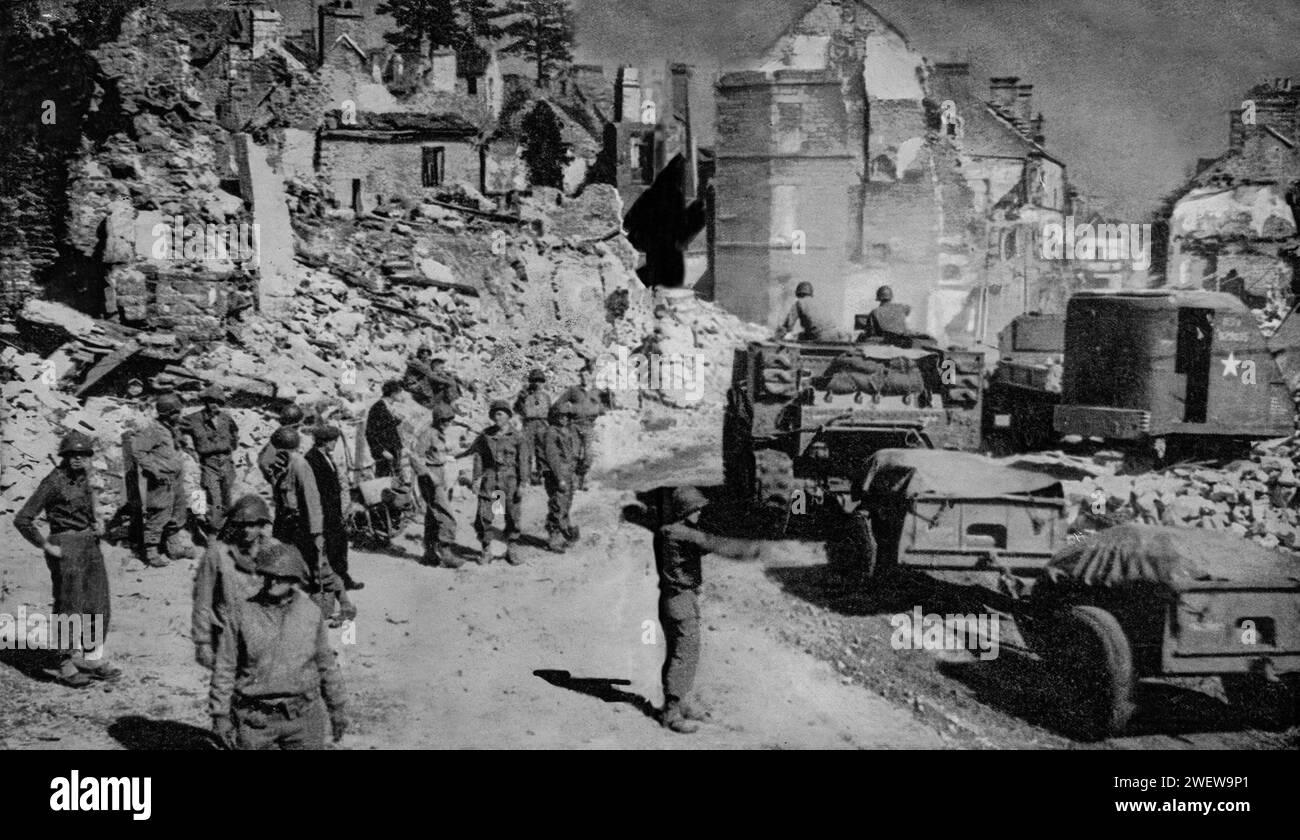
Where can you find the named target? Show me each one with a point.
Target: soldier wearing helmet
(290, 418)
(429, 462)
(677, 558)
(274, 665)
(560, 454)
(214, 437)
(72, 554)
(888, 321)
(154, 466)
(500, 472)
(533, 407)
(586, 403)
(811, 323)
(227, 573)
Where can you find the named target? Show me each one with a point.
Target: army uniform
(290, 418)
(559, 458)
(78, 576)
(533, 406)
(500, 472)
(215, 438)
(587, 407)
(677, 559)
(274, 666)
(227, 574)
(429, 463)
(157, 461)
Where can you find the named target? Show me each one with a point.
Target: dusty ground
(558, 653)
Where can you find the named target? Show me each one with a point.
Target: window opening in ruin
(644, 149)
(432, 169)
(1195, 341)
(356, 195)
(471, 86)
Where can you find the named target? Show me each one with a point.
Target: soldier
(383, 437)
(587, 404)
(300, 521)
(215, 437)
(290, 418)
(429, 464)
(678, 553)
(227, 573)
(559, 457)
(274, 665)
(443, 384)
(416, 379)
(158, 469)
(500, 472)
(72, 555)
(813, 325)
(888, 321)
(533, 406)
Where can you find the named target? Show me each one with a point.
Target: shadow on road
(602, 688)
(140, 733)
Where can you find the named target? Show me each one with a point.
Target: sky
(1132, 92)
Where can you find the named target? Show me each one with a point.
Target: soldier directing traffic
(72, 554)
(275, 665)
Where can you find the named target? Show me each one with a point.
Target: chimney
(1002, 93)
(333, 21)
(1024, 109)
(1038, 135)
(627, 95)
(265, 27)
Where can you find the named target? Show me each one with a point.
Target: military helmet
(168, 404)
(536, 375)
(884, 294)
(500, 405)
(442, 413)
(76, 443)
(683, 502)
(804, 289)
(291, 415)
(286, 437)
(282, 561)
(249, 509)
(213, 393)
(563, 408)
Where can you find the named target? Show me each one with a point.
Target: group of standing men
(552, 446)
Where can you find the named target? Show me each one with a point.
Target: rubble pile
(1254, 498)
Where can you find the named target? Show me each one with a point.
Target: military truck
(1154, 368)
(802, 419)
(1025, 386)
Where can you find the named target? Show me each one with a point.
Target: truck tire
(856, 552)
(1261, 703)
(773, 491)
(738, 447)
(1092, 662)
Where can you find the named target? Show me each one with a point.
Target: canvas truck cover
(912, 472)
(1164, 559)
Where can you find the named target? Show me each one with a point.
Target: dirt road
(563, 651)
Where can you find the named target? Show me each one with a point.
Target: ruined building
(838, 163)
(1233, 226)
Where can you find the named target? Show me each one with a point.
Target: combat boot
(580, 482)
(512, 557)
(155, 559)
(485, 555)
(675, 719)
(571, 537)
(556, 543)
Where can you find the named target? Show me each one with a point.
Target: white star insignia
(1230, 364)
